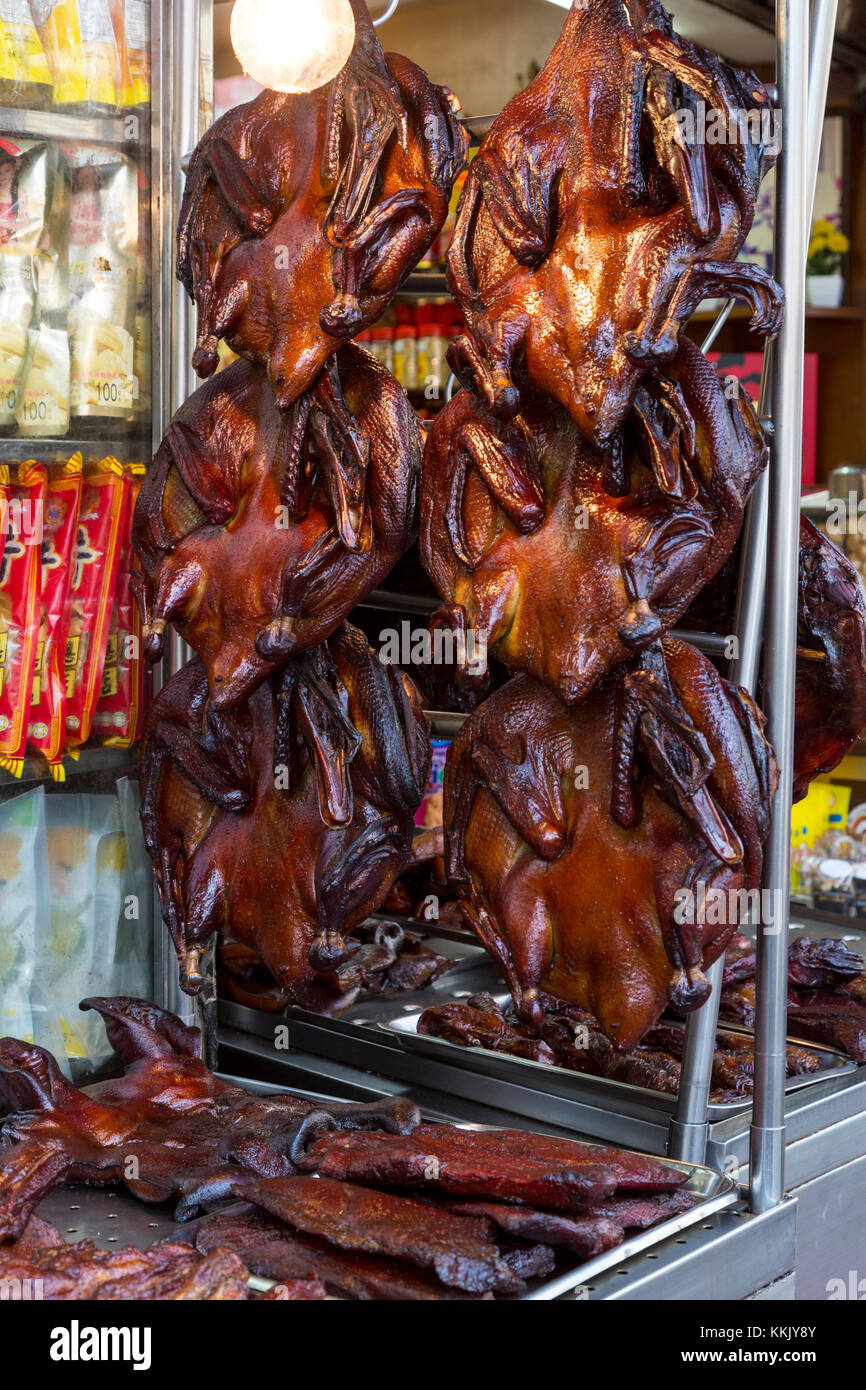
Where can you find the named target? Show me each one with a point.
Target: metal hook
(387, 15)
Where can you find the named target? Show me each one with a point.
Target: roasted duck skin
(500, 1165)
(303, 214)
(150, 1130)
(826, 992)
(590, 228)
(831, 693)
(458, 1250)
(662, 780)
(831, 656)
(562, 580)
(167, 1271)
(274, 1251)
(332, 754)
(259, 531)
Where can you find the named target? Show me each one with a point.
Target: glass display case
(98, 104)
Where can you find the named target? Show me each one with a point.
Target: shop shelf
(80, 129)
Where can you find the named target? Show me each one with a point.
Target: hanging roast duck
(585, 842)
(563, 580)
(303, 213)
(282, 823)
(596, 218)
(260, 530)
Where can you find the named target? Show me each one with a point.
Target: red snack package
(22, 500)
(91, 594)
(119, 709)
(48, 701)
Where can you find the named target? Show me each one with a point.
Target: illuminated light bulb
(292, 45)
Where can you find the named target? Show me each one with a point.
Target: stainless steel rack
(767, 619)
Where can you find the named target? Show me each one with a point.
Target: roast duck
(282, 768)
(826, 992)
(581, 836)
(564, 581)
(831, 650)
(303, 214)
(605, 811)
(281, 823)
(592, 226)
(259, 530)
(412, 1212)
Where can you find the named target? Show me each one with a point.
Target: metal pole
(185, 28)
(690, 1128)
(780, 653)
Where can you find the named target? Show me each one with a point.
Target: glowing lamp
(292, 45)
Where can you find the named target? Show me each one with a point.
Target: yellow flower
(840, 244)
(823, 227)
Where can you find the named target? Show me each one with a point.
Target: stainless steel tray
(402, 1025)
(111, 1218)
(573, 1279)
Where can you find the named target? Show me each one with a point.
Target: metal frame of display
(767, 590)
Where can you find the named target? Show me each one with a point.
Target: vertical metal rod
(767, 1150)
(181, 25)
(690, 1128)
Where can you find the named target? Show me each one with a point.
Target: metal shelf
(425, 284)
(90, 761)
(20, 448)
(82, 129)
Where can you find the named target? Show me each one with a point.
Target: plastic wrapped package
(46, 728)
(91, 593)
(23, 903)
(84, 43)
(137, 20)
(77, 937)
(133, 958)
(103, 237)
(59, 31)
(105, 63)
(22, 498)
(43, 405)
(28, 185)
(119, 708)
(25, 78)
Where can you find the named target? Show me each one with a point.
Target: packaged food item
(17, 306)
(43, 400)
(22, 500)
(59, 30)
(25, 186)
(76, 938)
(406, 349)
(46, 728)
(431, 365)
(381, 345)
(119, 708)
(23, 902)
(103, 235)
(143, 351)
(25, 78)
(91, 594)
(105, 64)
(137, 19)
(430, 812)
